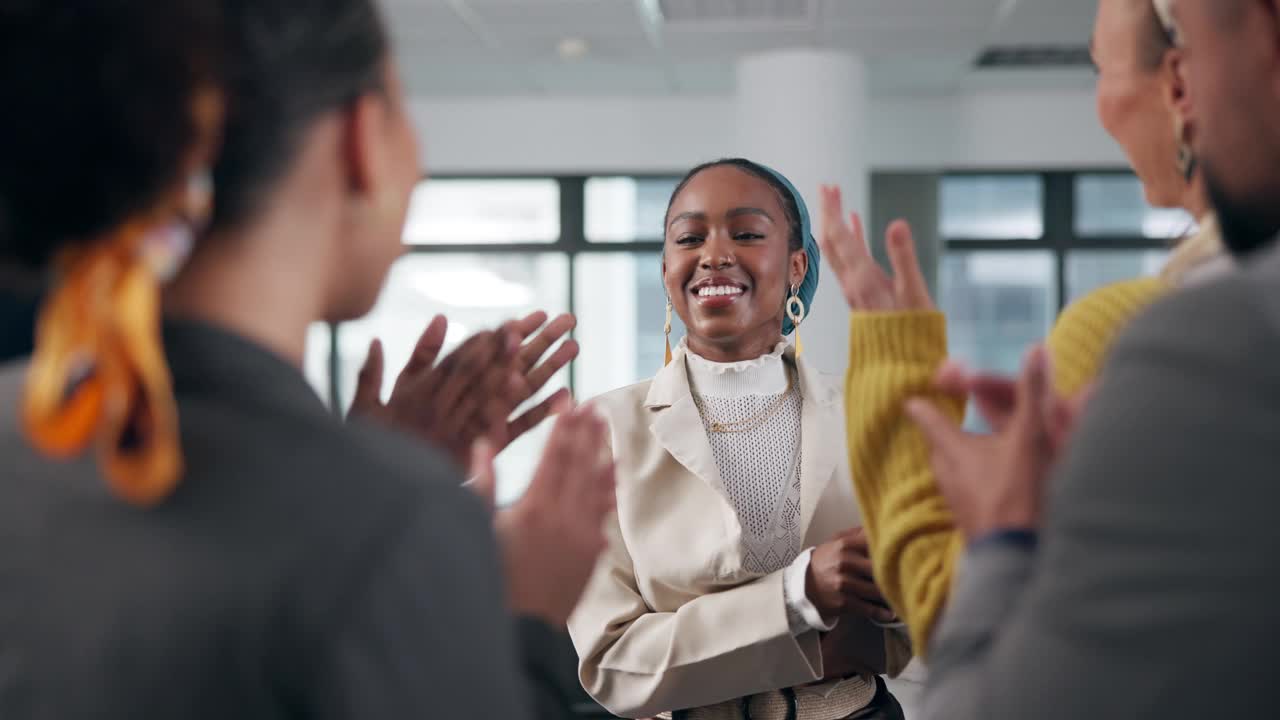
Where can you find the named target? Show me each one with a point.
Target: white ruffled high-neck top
(760, 466)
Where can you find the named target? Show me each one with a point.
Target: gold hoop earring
(796, 312)
(666, 331)
(1186, 157)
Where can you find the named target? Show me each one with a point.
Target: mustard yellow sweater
(893, 357)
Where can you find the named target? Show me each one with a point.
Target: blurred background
(554, 131)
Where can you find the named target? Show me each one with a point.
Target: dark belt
(745, 705)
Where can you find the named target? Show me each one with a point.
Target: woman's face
(727, 264)
(1132, 99)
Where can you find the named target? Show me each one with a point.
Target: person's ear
(364, 150)
(1177, 92)
(799, 267)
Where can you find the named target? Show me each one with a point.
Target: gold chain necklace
(750, 423)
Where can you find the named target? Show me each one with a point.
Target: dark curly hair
(97, 114)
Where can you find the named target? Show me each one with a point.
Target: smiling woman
(712, 598)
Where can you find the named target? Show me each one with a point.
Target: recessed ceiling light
(573, 48)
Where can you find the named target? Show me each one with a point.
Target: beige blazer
(671, 620)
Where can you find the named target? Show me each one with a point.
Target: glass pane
(1088, 270)
(316, 361)
(625, 209)
(621, 310)
(475, 292)
(998, 303)
(1114, 205)
(452, 212)
(994, 207)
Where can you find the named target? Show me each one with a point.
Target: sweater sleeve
(914, 544)
(893, 357)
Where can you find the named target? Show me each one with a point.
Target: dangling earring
(1186, 159)
(796, 312)
(166, 247)
(666, 330)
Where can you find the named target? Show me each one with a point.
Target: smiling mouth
(709, 291)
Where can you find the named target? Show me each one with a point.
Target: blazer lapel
(677, 424)
(821, 440)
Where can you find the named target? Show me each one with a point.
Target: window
(621, 310)
(1113, 205)
(625, 209)
(998, 303)
(1001, 207)
(485, 250)
(454, 212)
(1020, 246)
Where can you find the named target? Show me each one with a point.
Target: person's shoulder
(1084, 332)
(13, 376)
(1231, 321)
(399, 463)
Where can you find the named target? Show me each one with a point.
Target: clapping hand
(552, 536)
(995, 481)
(866, 286)
(472, 392)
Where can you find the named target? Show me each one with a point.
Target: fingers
(952, 378)
(543, 373)
(525, 326)
(470, 369)
(908, 280)
(531, 351)
(557, 460)
(1065, 414)
(940, 431)
(834, 235)
(428, 347)
(879, 613)
(369, 382)
(533, 417)
(996, 398)
(484, 480)
(591, 482)
(1032, 391)
(859, 249)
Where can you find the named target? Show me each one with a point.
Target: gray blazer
(302, 569)
(1155, 588)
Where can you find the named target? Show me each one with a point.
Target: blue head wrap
(808, 286)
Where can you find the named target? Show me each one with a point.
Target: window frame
(1058, 211)
(571, 243)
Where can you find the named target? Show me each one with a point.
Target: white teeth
(710, 291)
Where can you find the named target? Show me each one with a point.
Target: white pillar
(803, 112)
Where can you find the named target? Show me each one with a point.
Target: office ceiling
(671, 47)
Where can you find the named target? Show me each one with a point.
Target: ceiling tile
(499, 47)
(600, 78)
(567, 14)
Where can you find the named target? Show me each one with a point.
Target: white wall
(970, 130)
(985, 129)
